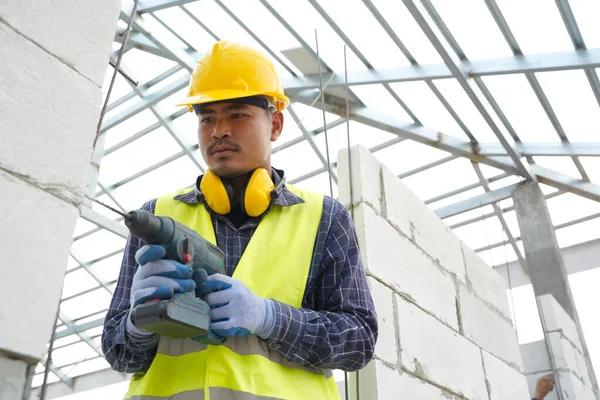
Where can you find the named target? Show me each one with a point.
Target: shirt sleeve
(337, 326)
(124, 352)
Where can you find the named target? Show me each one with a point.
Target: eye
(206, 120)
(237, 116)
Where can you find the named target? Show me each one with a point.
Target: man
(295, 302)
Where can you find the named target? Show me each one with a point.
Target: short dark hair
(258, 101)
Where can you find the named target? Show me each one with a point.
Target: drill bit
(126, 216)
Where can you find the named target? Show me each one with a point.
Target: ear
(276, 125)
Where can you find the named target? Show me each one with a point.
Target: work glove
(235, 309)
(156, 278)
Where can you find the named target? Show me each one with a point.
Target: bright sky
(568, 92)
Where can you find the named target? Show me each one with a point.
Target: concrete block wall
(563, 349)
(445, 329)
(53, 59)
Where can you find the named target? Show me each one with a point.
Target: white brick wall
(53, 59)
(557, 319)
(504, 382)
(380, 381)
(426, 229)
(433, 351)
(392, 258)
(75, 33)
(535, 357)
(366, 182)
(486, 282)
(12, 377)
(386, 348)
(582, 368)
(30, 290)
(563, 351)
(412, 257)
(488, 329)
(49, 114)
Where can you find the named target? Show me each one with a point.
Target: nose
(222, 129)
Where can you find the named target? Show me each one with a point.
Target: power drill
(183, 315)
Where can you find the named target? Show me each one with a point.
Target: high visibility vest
(274, 265)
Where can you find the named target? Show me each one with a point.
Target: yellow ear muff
(215, 194)
(257, 196)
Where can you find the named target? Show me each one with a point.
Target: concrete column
(544, 261)
(543, 257)
(444, 323)
(52, 64)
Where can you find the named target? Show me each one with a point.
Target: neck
(238, 182)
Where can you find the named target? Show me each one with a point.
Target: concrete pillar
(544, 261)
(53, 60)
(444, 323)
(543, 257)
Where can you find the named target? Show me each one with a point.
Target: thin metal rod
(559, 391)
(324, 119)
(116, 69)
(346, 375)
(348, 134)
(512, 300)
(49, 359)
(123, 74)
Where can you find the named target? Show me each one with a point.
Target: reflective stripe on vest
(275, 264)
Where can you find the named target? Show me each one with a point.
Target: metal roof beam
(564, 182)
(473, 203)
(180, 55)
(568, 60)
(451, 144)
(75, 328)
(571, 25)
(407, 130)
(554, 149)
(429, 25)
(96, 218)
(64, 378)
(148, 101)
(360, 56)
(170, 128)
(464, 189)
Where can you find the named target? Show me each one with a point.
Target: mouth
(222, 151)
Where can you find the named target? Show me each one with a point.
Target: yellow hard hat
(231, 71)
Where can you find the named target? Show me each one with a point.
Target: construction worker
(295, 302)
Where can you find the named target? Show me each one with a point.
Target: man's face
(236, 138)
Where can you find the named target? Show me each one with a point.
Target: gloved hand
(235, 309)
(156, 278)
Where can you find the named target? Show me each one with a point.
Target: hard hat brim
(220, 95)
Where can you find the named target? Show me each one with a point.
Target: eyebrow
(231, 107)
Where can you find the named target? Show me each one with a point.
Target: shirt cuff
(131, 333)
(290, 323)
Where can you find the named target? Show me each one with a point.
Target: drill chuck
(143, 224)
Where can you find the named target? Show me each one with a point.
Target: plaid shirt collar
(285, 199)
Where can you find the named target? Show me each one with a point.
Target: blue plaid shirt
(336, 328)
